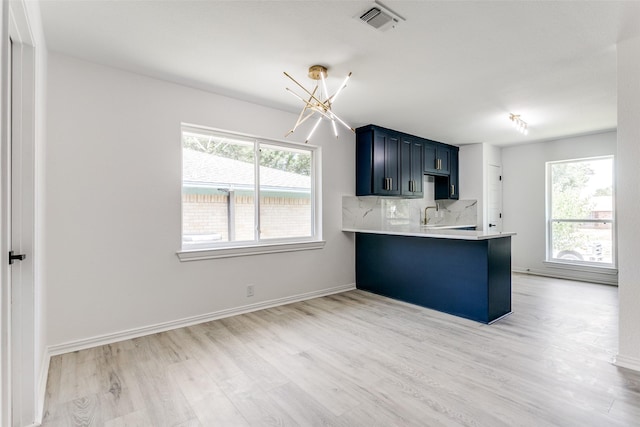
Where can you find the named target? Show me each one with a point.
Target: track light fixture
(318, 101)
(519, 124)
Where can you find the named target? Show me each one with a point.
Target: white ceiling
(453, 71)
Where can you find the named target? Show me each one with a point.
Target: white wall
(113, 206)
(628, 200)
(524, 198)
(471, 167)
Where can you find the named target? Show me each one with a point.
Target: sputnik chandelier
(318, 101)
(519, 124)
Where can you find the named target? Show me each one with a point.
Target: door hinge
(500, 177)
(500, 215)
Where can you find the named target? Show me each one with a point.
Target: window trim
(265, 248)
(259, 246)
(549, 220)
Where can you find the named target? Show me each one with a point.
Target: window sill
(200, 254)
(582, 267)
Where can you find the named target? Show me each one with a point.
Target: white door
(22, 339)
(18, 224)
(494, 201)
(5, 242)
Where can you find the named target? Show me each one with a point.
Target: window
(240, 191)
(580, 212)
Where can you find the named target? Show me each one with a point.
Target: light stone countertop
(438, 232)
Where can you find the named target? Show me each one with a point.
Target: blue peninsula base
(466, 278)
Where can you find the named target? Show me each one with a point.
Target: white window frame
(258, 245)
(578, 264)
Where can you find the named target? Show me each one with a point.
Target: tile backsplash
(372, 212)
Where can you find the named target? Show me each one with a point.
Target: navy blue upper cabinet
(392, 163)
(446, 186)
(437, 158)
(411, 161)
(454, 174)
(377, 162)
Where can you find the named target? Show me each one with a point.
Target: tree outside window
(581, 211)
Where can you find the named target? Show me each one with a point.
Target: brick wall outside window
(280, 216)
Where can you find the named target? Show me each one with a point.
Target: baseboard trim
(587, 277)
(627, 362)
(42, 387)
(82, 344)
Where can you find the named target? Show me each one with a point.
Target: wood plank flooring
(357, 359)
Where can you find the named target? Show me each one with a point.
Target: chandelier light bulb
(324, 84)
(342, 86)
(519, 124)
(314, 128)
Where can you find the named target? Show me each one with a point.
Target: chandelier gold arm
(305, 89)
(304, 119)
(341, 121)
(311, 106)
(300, 119)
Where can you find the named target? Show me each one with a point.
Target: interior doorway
(494, 199)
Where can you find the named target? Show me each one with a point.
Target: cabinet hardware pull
(453, 189)
(390, 184)
(386, 184)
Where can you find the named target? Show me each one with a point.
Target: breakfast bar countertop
(441, 232)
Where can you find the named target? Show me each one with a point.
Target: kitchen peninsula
(460, 272)
(410, 242)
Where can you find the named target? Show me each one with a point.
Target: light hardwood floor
(357, 359)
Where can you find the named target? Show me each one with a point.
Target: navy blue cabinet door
(411, 161)
(430, 158)
(454, 175)
(377, 162)
(443, 152)
(437, 158)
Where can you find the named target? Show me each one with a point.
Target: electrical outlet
(249, 290)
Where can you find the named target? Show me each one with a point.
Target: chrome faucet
(426, 218)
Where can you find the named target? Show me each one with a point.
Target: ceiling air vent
(380, 18)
